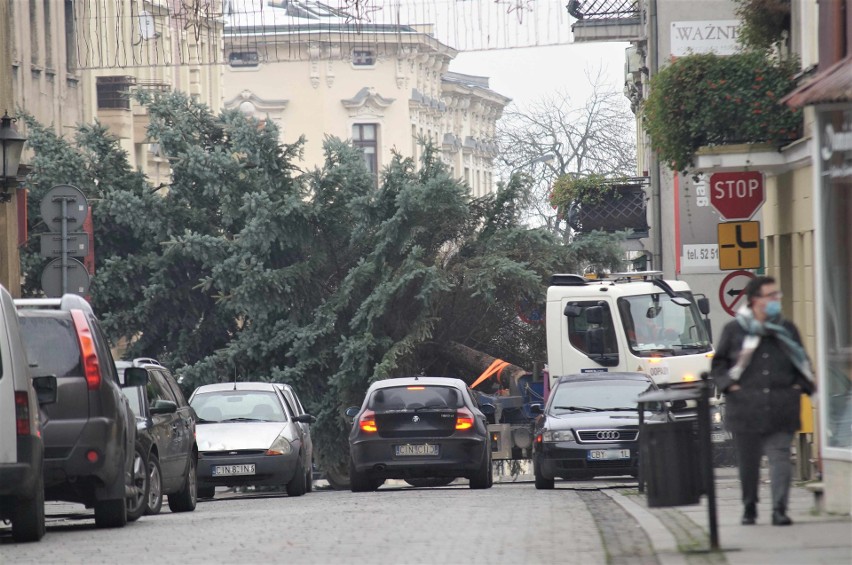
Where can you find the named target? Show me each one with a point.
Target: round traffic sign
(76, 209)
(78, 278)
(731, 291)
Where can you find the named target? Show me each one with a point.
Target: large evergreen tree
(327, 280)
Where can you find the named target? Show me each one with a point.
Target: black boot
(780, 518)
(750, 515)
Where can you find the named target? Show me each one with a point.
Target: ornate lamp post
(12, 144)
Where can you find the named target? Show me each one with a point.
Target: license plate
(233, 470)
(719, 437)
(608, 454)
(417, 450)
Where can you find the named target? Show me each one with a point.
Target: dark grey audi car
(419, 427)
(590, 427)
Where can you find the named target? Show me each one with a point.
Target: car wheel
(187, 497)
(309, 480)
(541, 482)
(137, 503)
(206, 492)
(337, 479)
(28, 516)
(155, 490)
(430, 482)
(482, 478)
(298, 485)
(360, 481)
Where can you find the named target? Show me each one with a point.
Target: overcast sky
(525, 74)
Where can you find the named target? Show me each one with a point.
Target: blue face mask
(773, 309)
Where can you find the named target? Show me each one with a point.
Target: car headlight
(281, 446)
(557, 435)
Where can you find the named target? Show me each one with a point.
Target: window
(243, 59)
(158, 389)
(581, 330)
(365, 136)
(363, 58)
(70, 33)
(114, 92)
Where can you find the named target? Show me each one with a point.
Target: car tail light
(367, 422)
(415, 388)
(539, 438)
(464, 419)
(22, 413)
(92, 456)
(91, 366)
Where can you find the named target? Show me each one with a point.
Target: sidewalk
(681, 534)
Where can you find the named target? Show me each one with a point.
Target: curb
(662, 540)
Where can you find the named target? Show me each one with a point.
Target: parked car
(247, 435)
(21, 445)
(165, 432)
(89, 433)
(295, 407)
(419, 427)
(590, 427)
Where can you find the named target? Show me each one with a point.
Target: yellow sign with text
(739, 245)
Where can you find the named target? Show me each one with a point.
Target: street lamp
(13, 144)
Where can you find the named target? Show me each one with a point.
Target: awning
(832, 85)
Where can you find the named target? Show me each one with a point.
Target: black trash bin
(669, 463)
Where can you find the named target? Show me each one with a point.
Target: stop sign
(737, 196)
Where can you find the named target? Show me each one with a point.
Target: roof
(831, 85)
(407, 381)
(216, 387)
(608, 376)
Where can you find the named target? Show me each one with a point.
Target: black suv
(165, 432)
(90, 431)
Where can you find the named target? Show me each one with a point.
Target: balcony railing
(604, 9)
(624, 208)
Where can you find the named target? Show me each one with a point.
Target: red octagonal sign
(737, 196)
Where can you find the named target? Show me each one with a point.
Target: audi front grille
(619, 435)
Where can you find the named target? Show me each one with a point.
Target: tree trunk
(477, 362)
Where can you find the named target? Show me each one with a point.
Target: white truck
(635, 322)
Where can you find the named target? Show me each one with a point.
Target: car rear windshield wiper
(578, 408)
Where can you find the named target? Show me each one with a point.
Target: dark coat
(767, 401)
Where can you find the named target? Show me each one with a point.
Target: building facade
(159, 45)
(39, 75)
(387, 88)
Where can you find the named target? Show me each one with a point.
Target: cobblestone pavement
(510, 523)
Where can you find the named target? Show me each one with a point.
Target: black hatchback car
(590, 427)
(165, 425)
(418, 427)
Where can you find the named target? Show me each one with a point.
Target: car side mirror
(536, 409)
(594, 315)
(163, 407)
(304, 419)
(135, 376)
(487, 409)
(45, 388)
(352, 411)
(704, 305)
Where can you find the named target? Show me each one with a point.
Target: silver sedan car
(247, 435)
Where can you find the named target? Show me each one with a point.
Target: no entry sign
(731, 291)
(737, 196)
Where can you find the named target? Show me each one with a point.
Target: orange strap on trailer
(495, 368)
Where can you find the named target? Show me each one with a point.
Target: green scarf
(775, 327)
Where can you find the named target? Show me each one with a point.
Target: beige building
(159, 45)
(384, 87)
(39, 75)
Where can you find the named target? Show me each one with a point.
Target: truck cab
(627, 322)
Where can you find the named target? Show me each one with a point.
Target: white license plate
(608, 454)
(719, 437)
(417, 450)
(233, 470)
